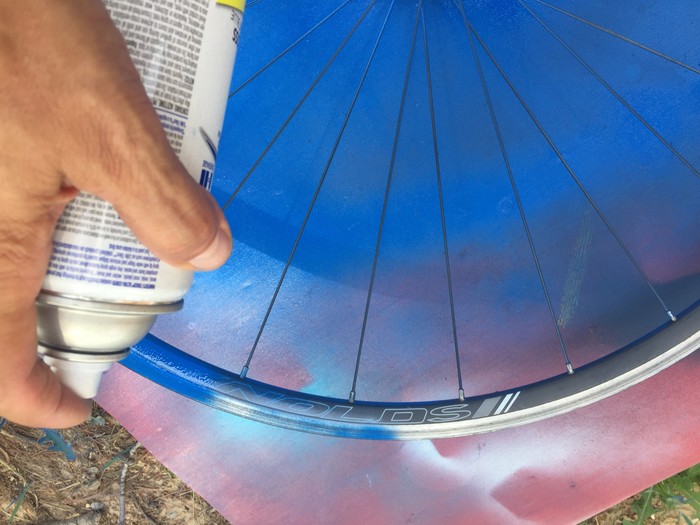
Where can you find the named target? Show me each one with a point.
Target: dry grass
(39, 486)
(42, 487)
(623, 514)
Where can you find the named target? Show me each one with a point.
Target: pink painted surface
(559, 471)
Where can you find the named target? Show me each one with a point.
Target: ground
(112, 480)
(41, 486)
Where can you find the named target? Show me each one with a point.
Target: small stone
(97, 421)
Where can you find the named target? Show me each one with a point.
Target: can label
(184, 51)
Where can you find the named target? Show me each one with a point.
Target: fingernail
(216, 254)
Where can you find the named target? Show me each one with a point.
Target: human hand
(74, 116)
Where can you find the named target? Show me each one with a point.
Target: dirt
(623, 511)
(42, 486)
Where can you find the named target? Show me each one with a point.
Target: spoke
(289, 48)
(386, 202)
(621, 37)
(442, 208)
(568, 168)
(299, 104)
(516, 194)
(246, 368)
(612, 91)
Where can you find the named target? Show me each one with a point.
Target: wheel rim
(478, 257)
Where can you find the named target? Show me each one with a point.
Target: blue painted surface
(505, 333)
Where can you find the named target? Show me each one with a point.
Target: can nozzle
(82, 378)
(80, 339)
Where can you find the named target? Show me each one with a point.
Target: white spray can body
(104, 289)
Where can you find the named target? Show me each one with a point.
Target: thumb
(114, 146)
(174, 217)
(137, 171)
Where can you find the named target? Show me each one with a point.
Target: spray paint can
(104, 290)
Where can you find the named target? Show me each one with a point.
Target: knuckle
(97, 145)
(101, 165)
(118, 142)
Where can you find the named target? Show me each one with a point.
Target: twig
(5, 454)
(90, 518)
(122, 504)
(19, 500)
(13, 470)
(119, 456)
(71, 486)
(145, 514)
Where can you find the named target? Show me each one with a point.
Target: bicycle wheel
(451, 217)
